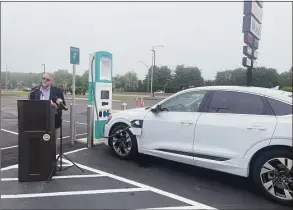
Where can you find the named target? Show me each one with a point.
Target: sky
(207, 35)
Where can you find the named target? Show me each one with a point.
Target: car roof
(267, 92)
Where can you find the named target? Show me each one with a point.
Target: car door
(231, 123)
(169, 133)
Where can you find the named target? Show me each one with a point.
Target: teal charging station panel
(100, 78)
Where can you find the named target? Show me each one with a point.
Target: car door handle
(186, 122)
(258, 128)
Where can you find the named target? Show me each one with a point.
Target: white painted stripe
(65, 137)
(73, 151)
(9, 167)
(4, 148)
(173, 208)
(8, 131)
(86, 192)
(65, 153)
(155, 190)
(67, 121)
(60, 177)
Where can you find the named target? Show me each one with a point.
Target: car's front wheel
(123, 144)
(272, 172)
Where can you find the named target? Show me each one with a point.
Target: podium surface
(36, 140)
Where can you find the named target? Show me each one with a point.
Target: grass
(13, 93)
(23, 93)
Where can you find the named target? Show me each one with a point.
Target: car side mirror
(156, 109)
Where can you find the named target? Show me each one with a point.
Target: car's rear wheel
(272, 172)
(124, 144)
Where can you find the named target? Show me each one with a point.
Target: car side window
(280, 108)
(185, 102)
(236, 103)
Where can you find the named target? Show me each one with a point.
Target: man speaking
(46, 91)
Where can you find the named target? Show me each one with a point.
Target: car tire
(272, 177)
(125, 147)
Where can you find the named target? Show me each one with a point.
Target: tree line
(164, 79)
(183, 77)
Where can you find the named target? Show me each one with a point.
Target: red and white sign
(253, 8)
(252, 26)
(256, 11)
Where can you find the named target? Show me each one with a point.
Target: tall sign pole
(74, 60)
(252, 25)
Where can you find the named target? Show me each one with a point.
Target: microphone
(60, 103)
(34, 89)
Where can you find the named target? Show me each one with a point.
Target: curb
(84, 141)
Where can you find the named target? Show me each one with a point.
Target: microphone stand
(59, 109)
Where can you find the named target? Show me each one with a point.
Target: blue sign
(74, 55)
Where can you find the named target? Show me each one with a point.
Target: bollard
(90, 125)
(123, 106)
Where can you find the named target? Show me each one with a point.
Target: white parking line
(149, 188)
(67, 121)
(86, 192)
(9, 131)
(139, 187)
(171, 208)
(4, 148)
(10, 147)
(60, 177)
(65, 153)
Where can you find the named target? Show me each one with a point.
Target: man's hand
(53, 104)
(59, 100)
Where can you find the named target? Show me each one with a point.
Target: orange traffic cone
(141, 102)
(136, 101)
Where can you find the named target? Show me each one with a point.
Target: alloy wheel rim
(122, 143)
(277, 177)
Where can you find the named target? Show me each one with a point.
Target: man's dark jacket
(55, 93)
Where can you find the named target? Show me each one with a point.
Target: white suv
(246, 131)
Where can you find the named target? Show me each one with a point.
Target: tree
(286, 78)
(209, 82)
(185, 77)
(130, 81)
(162, 79)
(265, 77)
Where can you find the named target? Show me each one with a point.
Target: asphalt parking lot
(110, 183)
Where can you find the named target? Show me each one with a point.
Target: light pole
(148, 86)
(44, 69)
(154, 63)
(6, 85)
(6, 75)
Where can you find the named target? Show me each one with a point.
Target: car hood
(131, 114)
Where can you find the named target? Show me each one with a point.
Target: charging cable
(96, 108)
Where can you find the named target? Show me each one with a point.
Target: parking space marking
(9, 131)
(67, 121)
(137, 187)
(4, 148)
(65, 153)
(146, 187)
(9, 167)
(10, 147)
(170, 208)
(60, 177)
(85, 192)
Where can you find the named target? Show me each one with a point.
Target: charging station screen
(105, 69)
(105, 94)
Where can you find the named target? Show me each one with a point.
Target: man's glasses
(46, 79)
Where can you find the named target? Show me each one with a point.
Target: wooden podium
(36, 140)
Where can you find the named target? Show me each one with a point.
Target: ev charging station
(100, 90)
